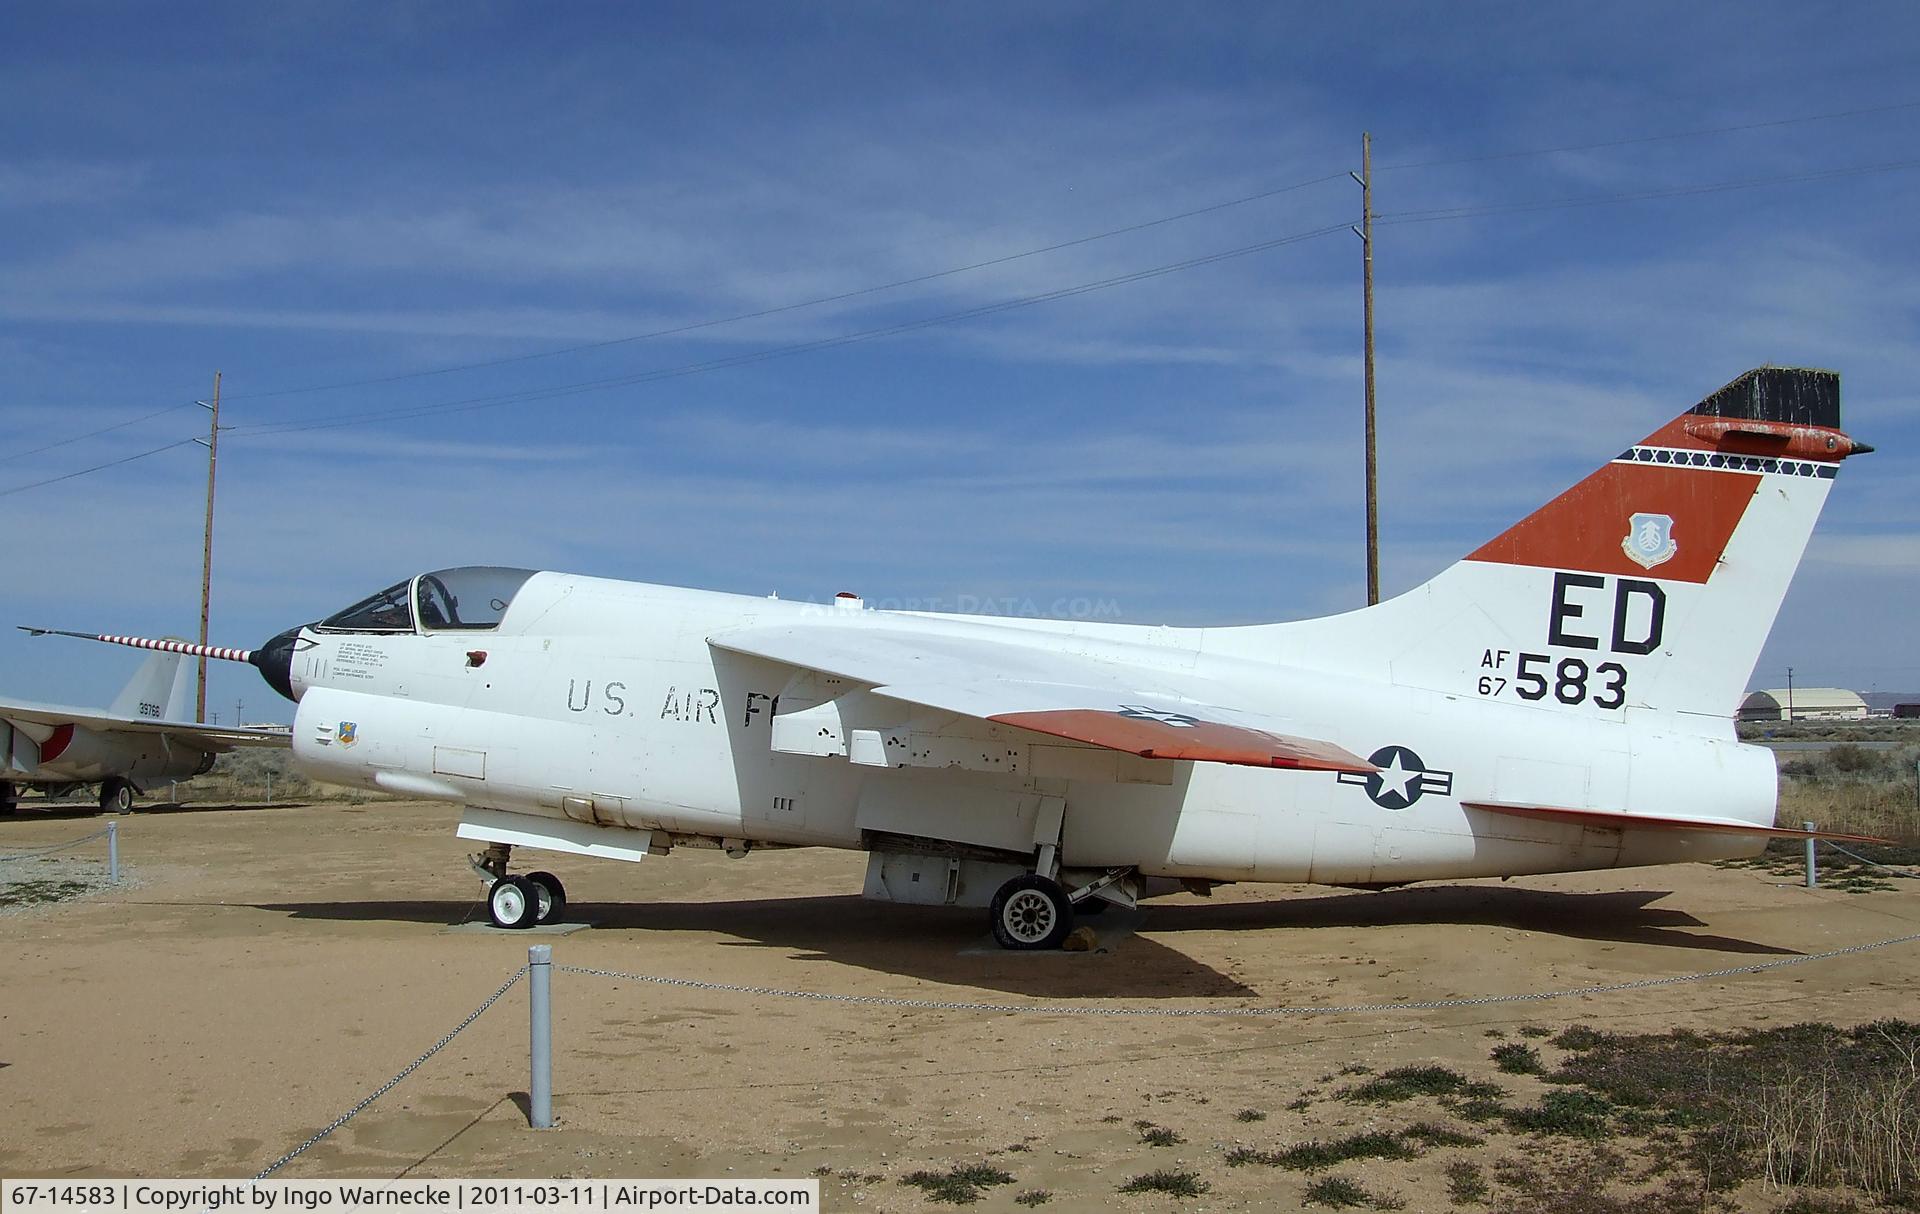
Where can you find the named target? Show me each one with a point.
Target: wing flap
(1605, 820)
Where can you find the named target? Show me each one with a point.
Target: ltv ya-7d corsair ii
(1559, 700)
(140, 739)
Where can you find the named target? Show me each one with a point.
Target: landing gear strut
(9, 797)
(517, 901)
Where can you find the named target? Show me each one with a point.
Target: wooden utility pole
(206, 546)
(1365, 232)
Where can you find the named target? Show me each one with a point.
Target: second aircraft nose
(275, 660)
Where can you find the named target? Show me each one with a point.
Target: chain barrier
(1902, 872)
(41, 851)
(394, 1082)
(945, 1005)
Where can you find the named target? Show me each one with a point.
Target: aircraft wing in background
(215, 739)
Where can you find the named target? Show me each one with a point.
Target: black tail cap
(1796, 396)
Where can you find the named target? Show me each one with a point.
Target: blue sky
(345, 193)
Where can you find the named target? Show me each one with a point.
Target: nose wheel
(512, 902)
(515, 902)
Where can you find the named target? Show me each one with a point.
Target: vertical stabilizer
(161, 690)
(1649, 585)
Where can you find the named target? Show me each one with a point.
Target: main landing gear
(116, 795)
(518, 901)
(1036, 912)
(1031, 912)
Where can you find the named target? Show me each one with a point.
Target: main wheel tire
(116, 796)
(552, 896)
(1031, 912)
(513, 902)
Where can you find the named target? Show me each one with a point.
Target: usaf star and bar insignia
(1403, 778)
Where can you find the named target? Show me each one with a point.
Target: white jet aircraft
(140, 739)
(1559, 700)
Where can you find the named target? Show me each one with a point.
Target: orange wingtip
(1619, 821)
(1177, 736)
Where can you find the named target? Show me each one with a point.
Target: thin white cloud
(67, 183)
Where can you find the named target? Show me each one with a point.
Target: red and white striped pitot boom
(192, 650)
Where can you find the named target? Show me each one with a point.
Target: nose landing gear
(514, 902)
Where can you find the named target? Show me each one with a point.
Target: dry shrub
(1876, 808)
(1836, 1124)
(1806, 1104)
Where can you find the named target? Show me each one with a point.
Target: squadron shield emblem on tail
(1649, 540)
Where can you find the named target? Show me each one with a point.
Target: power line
(1065, 244)
(805, 303)
(13, 455)
(472, 404)
(54, 480)
(1621, 143)
(1398, 217)
(488, 402)
(1401, 217)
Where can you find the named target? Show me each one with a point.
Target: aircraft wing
(213, 738)
(1151, 713)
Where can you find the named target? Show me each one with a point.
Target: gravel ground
(35, 883)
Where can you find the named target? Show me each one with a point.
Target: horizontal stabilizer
(1603, 820)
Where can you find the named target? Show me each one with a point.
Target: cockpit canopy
(472, 598)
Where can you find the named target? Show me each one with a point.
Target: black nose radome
(275, 660)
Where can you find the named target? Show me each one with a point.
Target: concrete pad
(485, 927)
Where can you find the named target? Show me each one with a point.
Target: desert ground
(264, 968)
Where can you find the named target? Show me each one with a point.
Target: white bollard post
(540, 1032)
(113, 853)
(1813, 870)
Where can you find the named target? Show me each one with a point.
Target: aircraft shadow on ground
(213, 807)
(913, 942)
(937, 945)
(32, 811)
(1624, 916)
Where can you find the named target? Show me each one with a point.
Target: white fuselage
(601, 702)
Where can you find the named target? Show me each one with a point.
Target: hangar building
(1803, 704)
